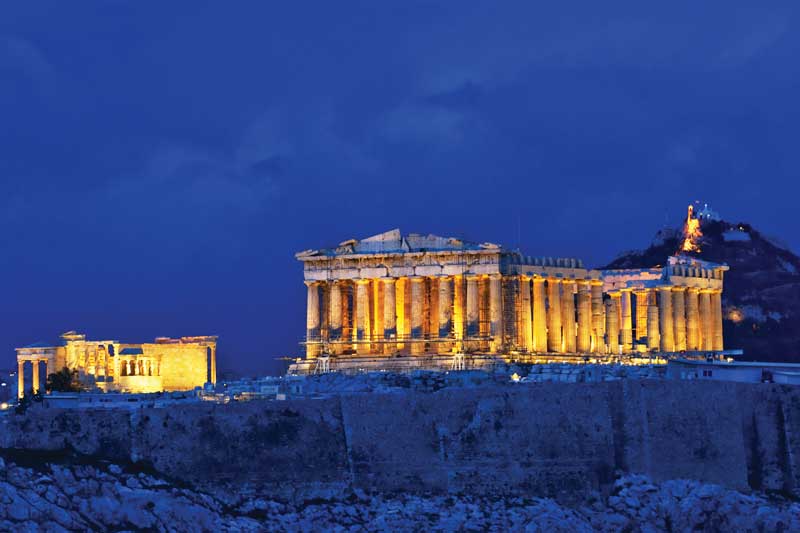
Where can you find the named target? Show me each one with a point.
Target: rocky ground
(105, 497)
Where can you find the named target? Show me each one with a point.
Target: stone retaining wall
(553, 439)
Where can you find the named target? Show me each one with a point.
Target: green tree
(65, 380)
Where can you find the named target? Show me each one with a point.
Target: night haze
(160, 165)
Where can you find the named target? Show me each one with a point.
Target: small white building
(738, 371)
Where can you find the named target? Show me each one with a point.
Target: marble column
(445, 285)
(568, 315)
(653, 333)
(706, 322)
(496, 312)
(612, 326)
(213, 366)
(716, 314)
(584, 317)
(389, 316)
(401, 311)
(417, 295)
(642, 303)
(666, 329)
(20, 379)
(473, 311)
(376, 318)
(598, 317)
(335, 317)
(312, 319)
(362, 316)
(539, 316)
(526, 331)
(554, 315)
(616, 297)
(627, 320)
(459, 308)
(431, 313)
(35, 381)
(692, 319)
(679, 317)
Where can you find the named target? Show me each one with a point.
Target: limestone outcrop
(106, 497)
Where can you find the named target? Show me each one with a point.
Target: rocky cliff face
(761, 300)
(545, 439)
(70, 496)
(538, 456)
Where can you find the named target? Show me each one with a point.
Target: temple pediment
(393, 241)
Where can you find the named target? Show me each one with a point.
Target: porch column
(526, 335)
(666, 329)
(389, 316)
(417, 294)
(627, 320)
(312, 319)
(362, 317)
(679, 317)
(496, 312)
(554, 315)
(539, 316)
(20, 379)
(584, 317)
(35, 382)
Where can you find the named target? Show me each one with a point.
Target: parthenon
(165, 364)
(427, 301)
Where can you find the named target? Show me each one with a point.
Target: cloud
(180, 178)
(25, 56)
(425, 124)
(755, 41)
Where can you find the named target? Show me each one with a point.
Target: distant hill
(761, 299)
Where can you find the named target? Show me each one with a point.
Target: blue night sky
(161, 162)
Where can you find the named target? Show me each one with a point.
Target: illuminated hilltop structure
(166, 364)
(397, 302)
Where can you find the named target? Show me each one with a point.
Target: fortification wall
(545, 439)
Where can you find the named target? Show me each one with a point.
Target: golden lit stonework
(166, 364)
(396, 301)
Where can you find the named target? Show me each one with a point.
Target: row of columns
(668, 319)
(453, 312)
(35, 381)
(472, 313)
(466, 312)
(139, 366)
